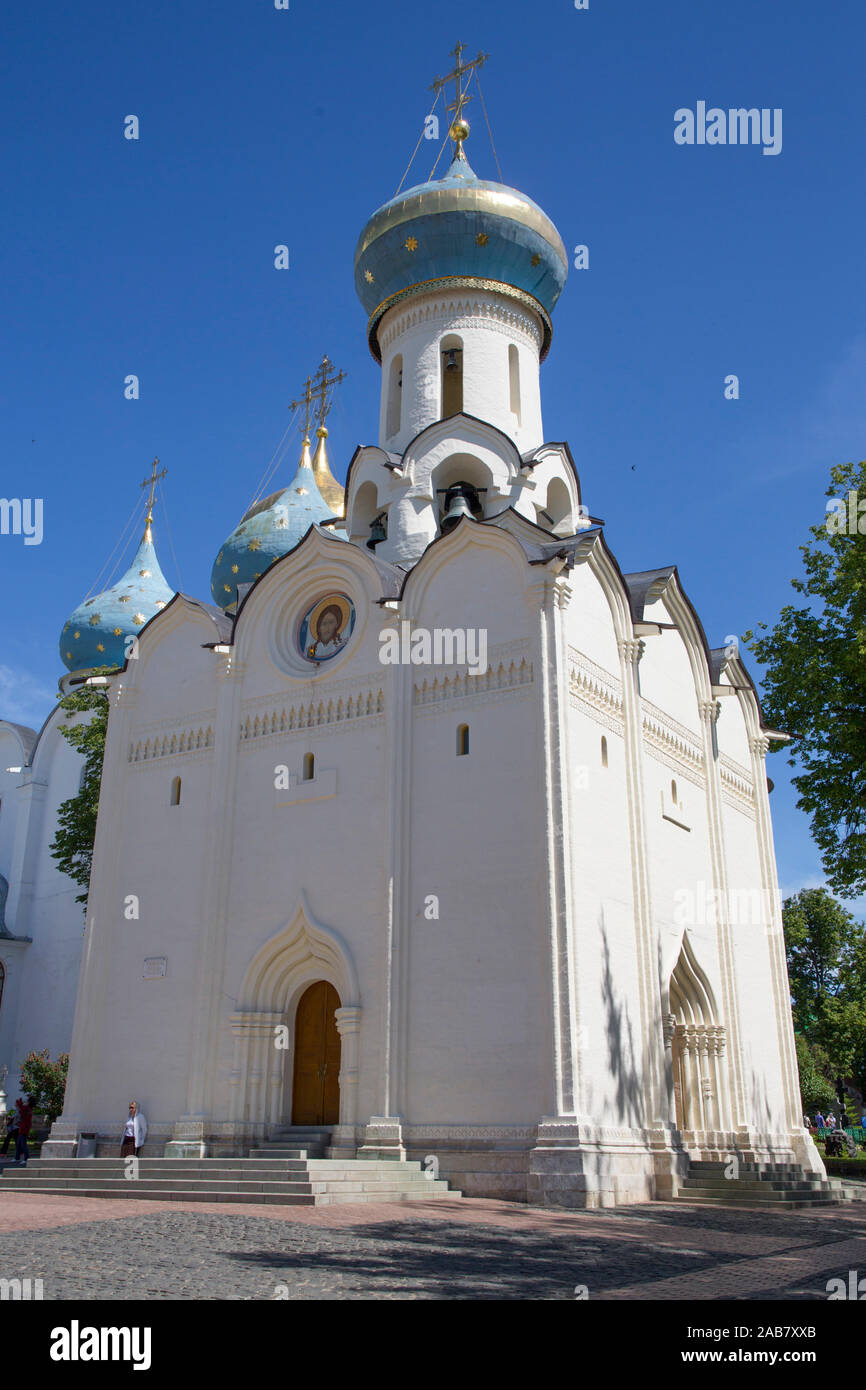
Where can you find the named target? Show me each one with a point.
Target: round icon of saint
(327, 627)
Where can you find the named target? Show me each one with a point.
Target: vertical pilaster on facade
(548, 595)
(216, 890)
(804, 1146)
(30, 809)
(631, 649)
(104, 916)
(397, 916)
(709, 711)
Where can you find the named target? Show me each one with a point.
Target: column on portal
(758, 746)
(732, 1101)
(349, 1028)
(658, 1077)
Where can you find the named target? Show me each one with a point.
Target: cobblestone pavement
(85, 1248)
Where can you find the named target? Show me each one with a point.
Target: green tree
(46, 1080)
(817, 1089)
(826, 951)
(815, 682)
(72, 845)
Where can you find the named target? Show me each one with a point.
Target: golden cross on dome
(322, 384)
(151, 483)
(460, 92)
(306, 401)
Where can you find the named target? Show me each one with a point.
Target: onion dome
(325, 480)
(269, 530)
(459, 230)
(96, 632)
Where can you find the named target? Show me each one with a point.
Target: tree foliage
(826, 951)
(817, 1090)
(72, 845)
(46, 1080)
(815, 682)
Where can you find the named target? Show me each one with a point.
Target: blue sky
(261, 127)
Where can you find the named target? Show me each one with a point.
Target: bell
(456, 506)
(451, 363)
(377, 533)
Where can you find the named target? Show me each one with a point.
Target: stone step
(770, 1196)
(790, 1189)
(274, 1198)
(132, 1187)
(306, 1181)
(284, 1151)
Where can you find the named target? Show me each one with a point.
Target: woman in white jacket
(134, 1132)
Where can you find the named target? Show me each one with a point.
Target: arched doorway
(316, 1075)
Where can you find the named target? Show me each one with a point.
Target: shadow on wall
(626, 1068)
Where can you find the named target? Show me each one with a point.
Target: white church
(432, 831)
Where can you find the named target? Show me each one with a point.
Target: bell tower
(459, 277)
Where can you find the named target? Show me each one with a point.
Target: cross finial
(459, 126)
(151, 483)
(322, 385)
(306, 401)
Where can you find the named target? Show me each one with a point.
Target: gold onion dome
(325, 480)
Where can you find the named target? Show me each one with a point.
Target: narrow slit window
(452, 377)
(395, 397)
(514, 381)
(175, 791)
(674, 792)
(603, 751)
(462, 740)
(309, 767)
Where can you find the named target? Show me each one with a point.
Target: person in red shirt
(25, 1124)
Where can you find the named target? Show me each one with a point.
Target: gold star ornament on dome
(411, 243)
(481, 239)
(255, 544)
(368, 276)
(536, 259)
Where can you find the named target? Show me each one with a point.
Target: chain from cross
(151, 482)
(460, 95)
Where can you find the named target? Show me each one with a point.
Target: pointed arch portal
(296, 1031)
(696, 1042)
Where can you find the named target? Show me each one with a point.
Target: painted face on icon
(326, 627)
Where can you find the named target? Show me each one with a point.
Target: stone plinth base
(186, 1148)
(383, 1139)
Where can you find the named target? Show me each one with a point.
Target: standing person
(25, 1124)
(820, 1122)
(11, 1131)
(134, 1132)
(831, 1121)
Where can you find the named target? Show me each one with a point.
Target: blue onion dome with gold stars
(269, 530)
(96, 632)
(459, 231)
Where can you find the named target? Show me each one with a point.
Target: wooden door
(316, 1087)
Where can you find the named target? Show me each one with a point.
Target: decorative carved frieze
(171, 744)
(500, 678)
(596, 689)
(673, 744)
(290, 717)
